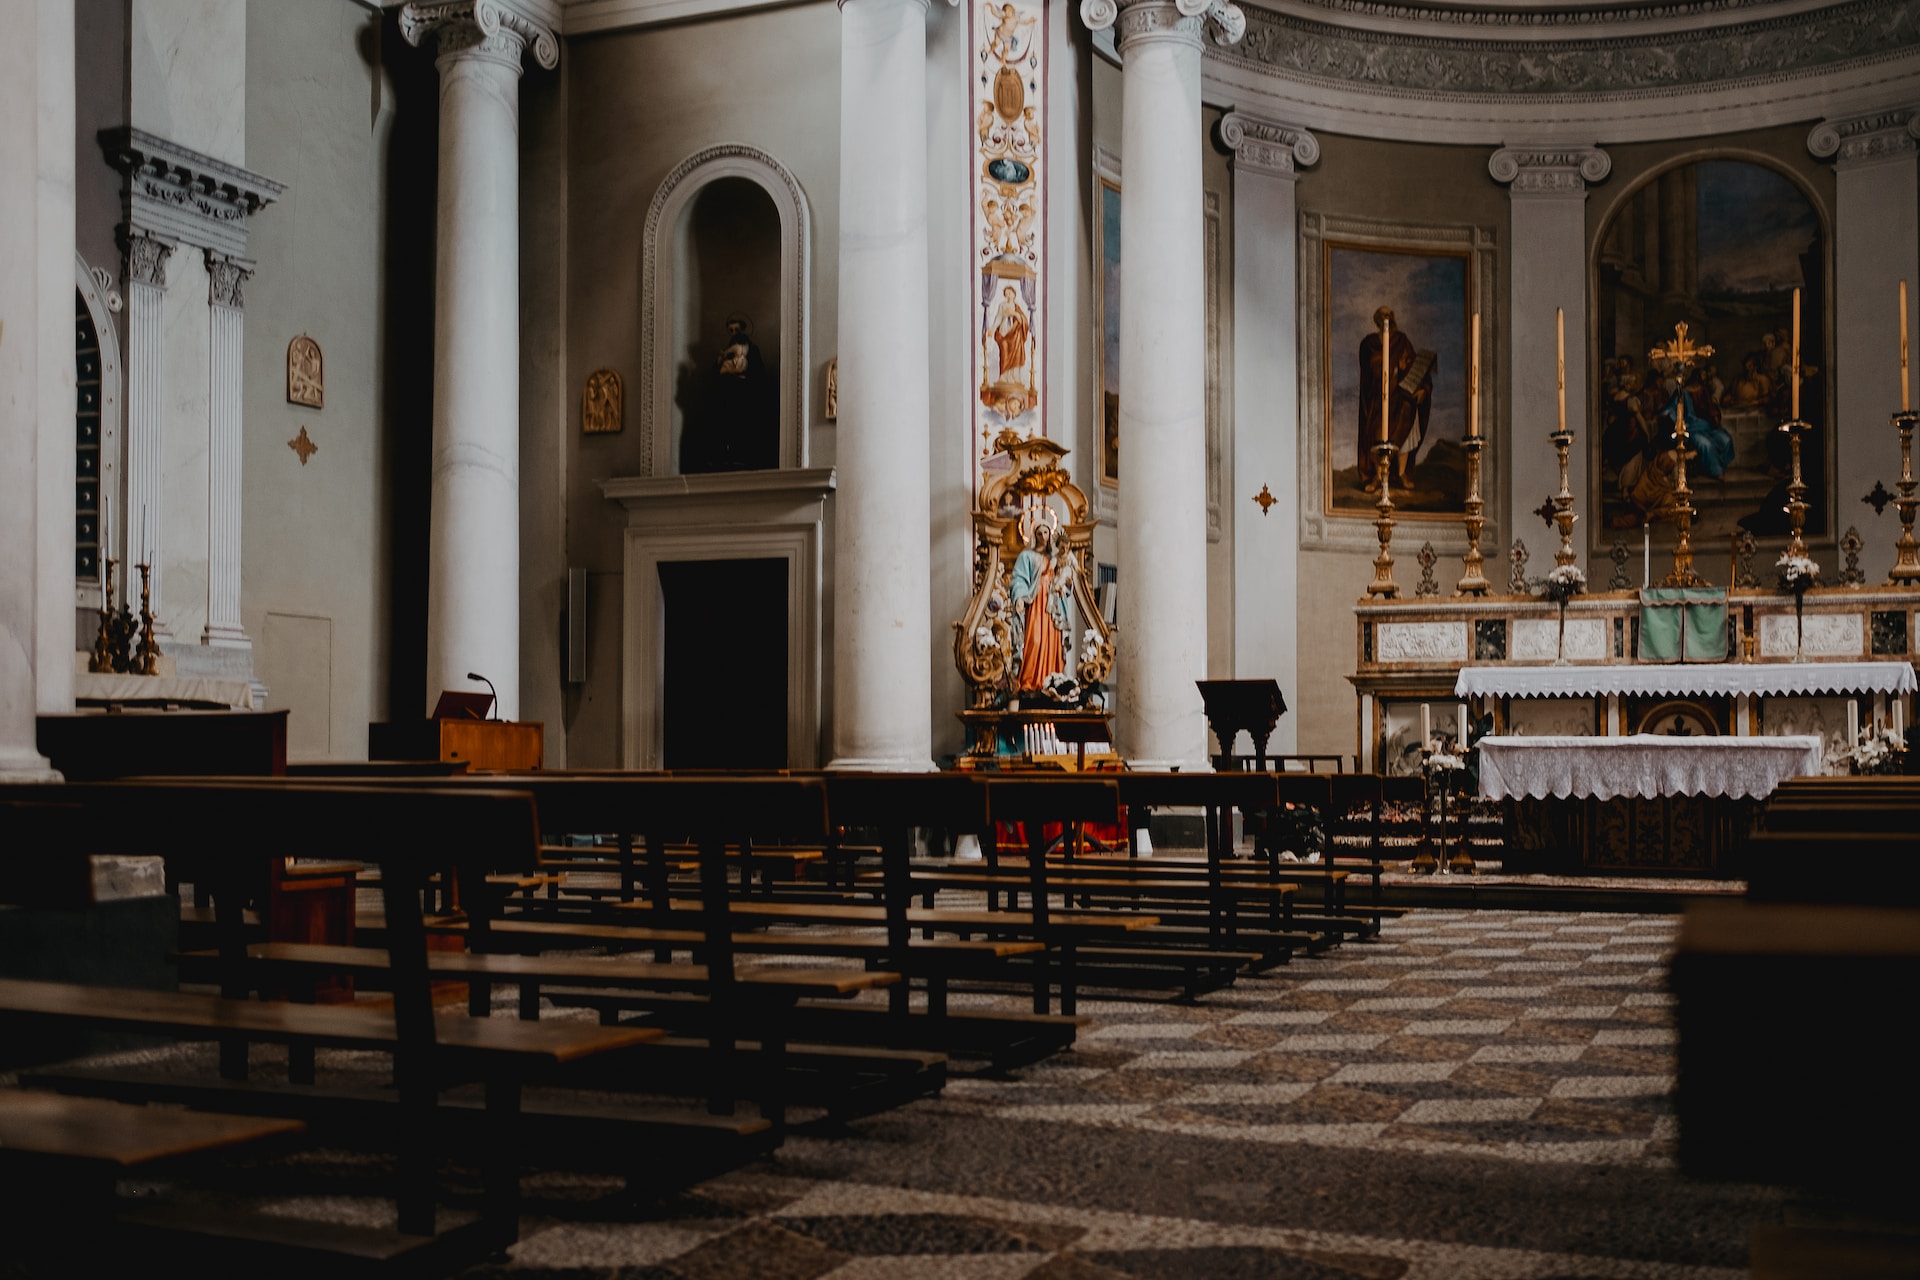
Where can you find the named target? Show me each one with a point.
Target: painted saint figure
(1037, 590)
(1010, 334)
(1408, 409)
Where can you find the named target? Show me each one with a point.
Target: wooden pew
(478, 830)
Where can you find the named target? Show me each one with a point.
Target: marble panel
(1538, 639)
(1889, 629)
(1421, 642)
(1824, 635)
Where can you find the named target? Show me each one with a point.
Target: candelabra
(1383, 584)
(1474, 581)
(1796, 491)
(102, 656)
(146, 657)
(1906, 560)
(1563, 516)
(1679, 356)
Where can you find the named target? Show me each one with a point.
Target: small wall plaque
(831, 409)
(306, 373)
(602, 404)
(303, 445)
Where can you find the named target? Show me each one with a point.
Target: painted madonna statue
(1037, 589)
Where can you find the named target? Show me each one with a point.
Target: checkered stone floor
(1475, 1094)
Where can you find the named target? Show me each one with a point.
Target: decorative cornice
(1177, 20)
(184, 195)
(1266, 146)
(1507, 17)
(1828, 39)
(226, 279)
(1882, 135)
(1549, 171)
(497, 29)
(146, 256)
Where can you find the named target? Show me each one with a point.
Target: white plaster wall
(189, 64)
(637, 104)
(313, 536)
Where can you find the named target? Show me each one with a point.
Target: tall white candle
(1426, 724)
(1899, 718)
(105, 540)
(1853, 720)
(1460, 724)
(1560, 360)
(1646, 556)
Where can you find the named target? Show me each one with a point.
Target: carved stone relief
(602, 403)
(306, 373)
(1824, 635)
(1538, 640)
(1421, 642)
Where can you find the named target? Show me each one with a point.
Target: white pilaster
(53, 173)
(36, 104)
(882, 636)
(146, 411)
(1547, 269)
(1266, 404)
(1876, 244)
(226, 327)
(1162, 642)
(473, 587)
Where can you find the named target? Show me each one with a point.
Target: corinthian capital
(226, 280)
(1266, 146)
(1549, 170)
(499, 29)
(1868, 139)
(1180, 20)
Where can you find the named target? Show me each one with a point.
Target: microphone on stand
(475, 675)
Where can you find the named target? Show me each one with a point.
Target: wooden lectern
(1233, 705)
(458, 734)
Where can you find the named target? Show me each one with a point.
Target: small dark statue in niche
(737, 427)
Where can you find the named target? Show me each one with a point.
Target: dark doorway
(724, 704)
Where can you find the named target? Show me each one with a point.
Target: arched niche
(1718, 241)
(94, 297)
(684, 276)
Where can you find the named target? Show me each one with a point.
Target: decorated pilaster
(1266, 423)
(1876, 243)
(882, 634)
(1547, 188)
(146, 275)
(1163, 495)
(473, 588)
(226, 330)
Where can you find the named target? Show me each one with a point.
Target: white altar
(1643, 765)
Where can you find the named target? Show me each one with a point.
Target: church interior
(635, 642)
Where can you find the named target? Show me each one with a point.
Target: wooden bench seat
(43, 1133)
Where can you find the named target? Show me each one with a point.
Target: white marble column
(473, 588)
(36, 151)
(882, 638)
(1547, 269)
(1876, 244)
(54, 238)
(146, 413)
(1162, 641)
(226, 329)
(1265, 509)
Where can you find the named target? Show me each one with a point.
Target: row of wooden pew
(680, 1009)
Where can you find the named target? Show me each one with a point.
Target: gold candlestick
(102, 657)
(1906, 557)
(1796, 491)
(1563, 516)
(1474, 581)
(146, 657)
(1680, 354)
(1383, 584)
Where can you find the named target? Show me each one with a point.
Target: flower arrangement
(1061, 687)
(1797, 573)
(1564, 582)
(1445, 762)
(1879, 751)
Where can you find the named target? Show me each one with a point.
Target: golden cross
(1680, 352)
(1265, 498)
(303, 445)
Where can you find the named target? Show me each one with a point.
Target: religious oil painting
(1718, 246)
(1008, 53)
(1108, 348)
(1421, 299)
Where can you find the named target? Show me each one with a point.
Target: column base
(21, 767)
(224, 637)
(1144, 764)
(879, 764)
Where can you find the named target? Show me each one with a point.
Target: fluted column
(1266, 403)
(146, 412)
(473, 587)
(1876, 244)
(1162, 642)
(226, 328)
(1547, 269)
(882, 641)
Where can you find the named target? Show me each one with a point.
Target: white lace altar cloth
(1645, 765)
(93, 687)
(1675, 680)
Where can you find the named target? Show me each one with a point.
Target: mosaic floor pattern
(1475, 1094)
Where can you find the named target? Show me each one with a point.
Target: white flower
(1091, 640)
(1797, 573)
(984, 638)
(1568, 575)
(1445, 763)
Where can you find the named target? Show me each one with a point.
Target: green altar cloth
(1683, 624)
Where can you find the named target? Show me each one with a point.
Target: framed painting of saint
(1720, 246)
(1421, 300)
